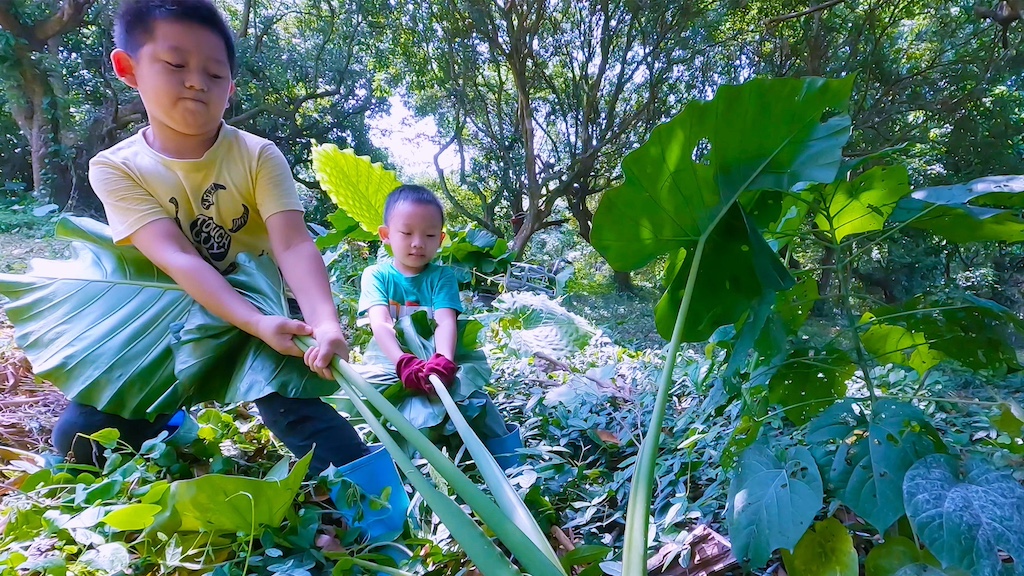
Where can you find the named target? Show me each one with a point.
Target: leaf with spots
(873, 455)
(772, 502)
(809, 382)
(966, 515)
(860, 205)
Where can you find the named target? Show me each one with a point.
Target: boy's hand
(277, 332)
(441, 367)
(330, 342)
(411, 372)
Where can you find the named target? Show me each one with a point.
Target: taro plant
(66, 319)
(723, 190)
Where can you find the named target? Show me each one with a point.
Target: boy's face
(183, 76)
(414, 234)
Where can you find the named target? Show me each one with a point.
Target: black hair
(414, 194)
(134, 22)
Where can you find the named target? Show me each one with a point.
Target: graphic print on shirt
(399, 310)
(207, 200)
(212, 239)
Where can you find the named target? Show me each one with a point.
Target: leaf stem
(634, 554)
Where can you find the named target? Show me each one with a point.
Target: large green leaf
(354, 183)
(772, 502)
(686, 179)
(826, 549)
(897, 345)
(231, 504)
(863, 204)
(966, 516)
(809, 382)
(214, 360)
(873, 455)
(986, 209)
(111, 331)
(98, 320)
(415, 333)
(970, 330)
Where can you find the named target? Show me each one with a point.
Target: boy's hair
(414, 194)
(134, 22)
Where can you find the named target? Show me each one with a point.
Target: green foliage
(477, 257)
(772, 502)
(986, 209)
(867, 459)
(681, 188)
(964, 515)
(826, 549)
(132, 342)
(894, 555)
(357, 186)
(533, 324)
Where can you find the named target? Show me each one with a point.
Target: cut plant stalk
(634, 551)
(480, 549)
(504, 494)
(532, 558)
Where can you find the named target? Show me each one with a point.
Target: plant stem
(634, 554)
(842, 274)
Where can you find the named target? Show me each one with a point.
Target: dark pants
(300, 423)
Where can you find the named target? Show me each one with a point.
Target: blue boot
(361, 498)
(504, 447)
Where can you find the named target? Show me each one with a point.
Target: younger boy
(411, 282)
(191, 193)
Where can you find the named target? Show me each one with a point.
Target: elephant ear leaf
(356, 185)
(684, 192)
(100, 319)
(985, 209)
(112, 331)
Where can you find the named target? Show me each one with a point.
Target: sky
(410, 142)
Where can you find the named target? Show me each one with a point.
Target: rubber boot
(359, 497)
(504, 447)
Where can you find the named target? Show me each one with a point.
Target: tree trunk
(42, 132)
(624, 283)
(243, 25)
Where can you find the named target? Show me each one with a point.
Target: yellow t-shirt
(220, 201)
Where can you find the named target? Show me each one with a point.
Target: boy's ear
(124, 67)
(385, 234)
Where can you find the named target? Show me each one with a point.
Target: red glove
(410, 371)
(442, 367)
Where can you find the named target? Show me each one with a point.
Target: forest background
(534, 105)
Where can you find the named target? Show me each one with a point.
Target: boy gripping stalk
(191, 193)
(411, 282)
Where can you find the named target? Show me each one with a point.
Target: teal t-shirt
(432, 289)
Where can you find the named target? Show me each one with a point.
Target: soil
(29, 406)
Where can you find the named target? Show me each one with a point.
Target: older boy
(410, 282)
(191, 192)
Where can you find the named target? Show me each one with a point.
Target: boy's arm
(446, 334)
(383, 328)
(163, 243)
(303, 269)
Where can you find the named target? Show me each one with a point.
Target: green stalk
(480, 549)
(634, 553)
(533, 559)
(501, 489)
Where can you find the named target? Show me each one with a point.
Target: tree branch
(811, 10)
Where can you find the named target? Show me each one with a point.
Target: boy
(191, 192)
(409, 283)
